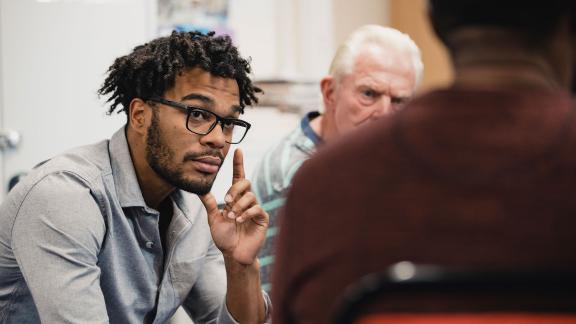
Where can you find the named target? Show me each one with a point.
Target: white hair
(344, 59)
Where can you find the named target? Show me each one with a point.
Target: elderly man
(127, 230)
(374, 73)
(481, 174)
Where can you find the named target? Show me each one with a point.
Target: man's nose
(382, 107)
(215, 138)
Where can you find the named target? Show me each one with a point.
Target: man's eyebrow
(210, 102)
(237, 108)
(195, 96)
(401, 98)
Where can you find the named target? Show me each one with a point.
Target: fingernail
(240, 219)
(228, 198)
(231, 215)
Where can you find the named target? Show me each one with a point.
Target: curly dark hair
(151, 69)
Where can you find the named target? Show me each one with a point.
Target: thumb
(209, 202)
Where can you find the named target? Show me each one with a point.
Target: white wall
(53, 58)
(288, 40)
(349, 15)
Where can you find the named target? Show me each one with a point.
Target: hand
(239, 230)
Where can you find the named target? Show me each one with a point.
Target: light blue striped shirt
(272, 178)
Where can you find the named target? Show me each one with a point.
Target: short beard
(160, 157)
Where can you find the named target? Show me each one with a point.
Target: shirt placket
(176, 230)
(148, 234)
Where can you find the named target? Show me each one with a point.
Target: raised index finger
(238, 166)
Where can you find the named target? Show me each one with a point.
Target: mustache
(195, 155)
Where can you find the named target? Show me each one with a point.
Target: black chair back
(406, 288)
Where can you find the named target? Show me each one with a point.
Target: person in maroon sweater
(481, 174)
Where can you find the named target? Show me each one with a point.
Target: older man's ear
(327, 85)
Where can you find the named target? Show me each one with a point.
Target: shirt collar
(307, 128)
(125, 180)
(128, 188)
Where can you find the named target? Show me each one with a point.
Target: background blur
(54, 55)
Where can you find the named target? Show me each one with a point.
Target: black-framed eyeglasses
(202, 122)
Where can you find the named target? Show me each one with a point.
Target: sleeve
(57, 235)
(259, 180)
(206, 302)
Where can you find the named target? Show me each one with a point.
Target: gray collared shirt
(79, 245)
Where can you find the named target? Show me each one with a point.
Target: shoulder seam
(83, 179)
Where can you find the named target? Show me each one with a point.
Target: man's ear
(327, 85)
(139, 115)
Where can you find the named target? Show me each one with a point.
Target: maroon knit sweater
(482, 179)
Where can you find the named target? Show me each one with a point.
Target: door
(53, 57)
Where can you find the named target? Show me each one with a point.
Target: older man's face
(382, 80)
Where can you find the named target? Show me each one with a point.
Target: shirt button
(149, 244)
(278, 187)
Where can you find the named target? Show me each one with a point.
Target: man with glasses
(127, 230)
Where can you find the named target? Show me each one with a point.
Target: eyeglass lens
(203, 122)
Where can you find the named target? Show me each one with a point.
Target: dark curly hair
(151, 69)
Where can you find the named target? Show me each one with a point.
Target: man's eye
(398, 103)
(369, 93)
(198, 115)
(228, 124)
